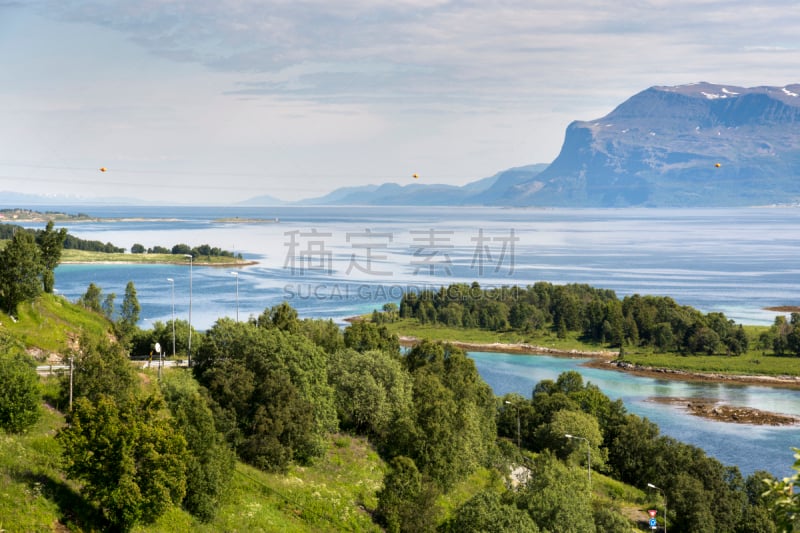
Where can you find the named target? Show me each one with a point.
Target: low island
(644, 335)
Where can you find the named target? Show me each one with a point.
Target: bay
(335, 262)
(749, 447)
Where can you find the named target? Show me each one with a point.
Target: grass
(338, 493)
(50, 322)
(481, 479)
(754, 362)
(83, 256)
(34, 495)
(335, 494)
(751, 363)
(412, 327)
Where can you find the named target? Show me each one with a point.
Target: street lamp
(664, 494)
(172, 282)
(189, 349)
(517, 409)
(588, 456)
(236, 275)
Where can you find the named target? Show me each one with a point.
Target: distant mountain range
(690, 145)
(19, 199)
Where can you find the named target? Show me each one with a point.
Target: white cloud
(300, 87)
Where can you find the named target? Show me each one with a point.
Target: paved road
(57, 369)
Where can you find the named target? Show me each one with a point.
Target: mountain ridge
(692, 145)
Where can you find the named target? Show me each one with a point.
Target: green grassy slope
(51, 322)
(336, 494)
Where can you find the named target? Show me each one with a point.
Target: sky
(217, 101)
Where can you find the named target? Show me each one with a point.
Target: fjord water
(334, 262)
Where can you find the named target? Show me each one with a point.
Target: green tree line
(596, 314)
(271, 390)
(69, 242)
(204, 250)
(783, 337)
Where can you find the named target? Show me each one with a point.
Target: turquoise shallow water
(335, 262)
(749, 447)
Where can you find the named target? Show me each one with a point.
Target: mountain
(481, 192)
(690, 145)
(16, 199)
(683, 146)
(263, 200)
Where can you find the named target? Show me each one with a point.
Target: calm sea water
(334, 262)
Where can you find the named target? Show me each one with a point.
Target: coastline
(606, 360)
(517, 348)
(226, 265)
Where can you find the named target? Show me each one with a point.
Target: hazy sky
(214, 101)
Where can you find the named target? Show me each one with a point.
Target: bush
(20, 394)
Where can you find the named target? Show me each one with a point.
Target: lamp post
(160, 358)
(664, 494)
(516, 407)
(588, 456)
(189, 349)
(236, 275)
(172, 282)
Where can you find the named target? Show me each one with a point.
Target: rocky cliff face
(691, 145)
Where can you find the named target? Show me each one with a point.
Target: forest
(598, 315)
(272, 390)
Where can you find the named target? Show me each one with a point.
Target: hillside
(475, 193)
(685, 146)
(50, 325)
(330, 496)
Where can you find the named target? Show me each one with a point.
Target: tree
(556, 497)
(129, 314)
(632, 450)
(130, 459)
(703, 340)
(785, 499)
(372, 390)
(108, 305)
(363, 336)
(486, 511)
(210, 462)
(452, 428)
(609, 520)
(91, 298)
(20, 271)
(324, 333)
(100, 367)
(137, 248)
(20, 395)
(282, 316)
(51, 243)
(565, 422)
(390, 311)
(182, 249)
(406, 502)
(270, 392)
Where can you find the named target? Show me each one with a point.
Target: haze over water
(334, 262)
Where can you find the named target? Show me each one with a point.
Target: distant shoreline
(178, 263)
